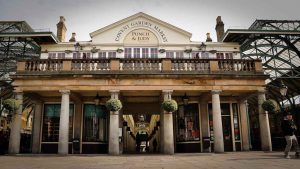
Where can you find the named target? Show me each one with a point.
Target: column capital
(114, 112)
(167, 91)
(18, 91)
(114, 91)
(64, 92)
(216, 91)
(261, 91)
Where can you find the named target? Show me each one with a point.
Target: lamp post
(97, 99)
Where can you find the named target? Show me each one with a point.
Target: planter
(169, 105)
(114, 105)
(11, 104)
(269, 106)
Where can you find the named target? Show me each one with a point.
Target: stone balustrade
(141, 65)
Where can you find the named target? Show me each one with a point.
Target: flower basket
(114, 105)
(11, 104)
(169, 105)
(269, 106)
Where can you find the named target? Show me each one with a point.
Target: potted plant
(269, 106)
(11, 104)
(169, 105)
(114, 105)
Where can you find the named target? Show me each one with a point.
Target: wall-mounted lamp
(97, 99)
(283, 89)
(185, 99)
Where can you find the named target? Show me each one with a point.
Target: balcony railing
(141, 65)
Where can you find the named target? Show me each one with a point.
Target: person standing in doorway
(289, 128)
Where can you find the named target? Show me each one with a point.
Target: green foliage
(11, 104)
(169, 105)
(114, 105)
(269, 106)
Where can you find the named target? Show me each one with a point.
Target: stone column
(15, 132)
(36, 130)
(113, 145)
(204, 123)
(168, 133)
(244, 125)
(217, 122)
(63, 142)
(265, 135)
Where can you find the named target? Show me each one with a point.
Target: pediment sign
(140, 29)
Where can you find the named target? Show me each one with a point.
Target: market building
(142, 61)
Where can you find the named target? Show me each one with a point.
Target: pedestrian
(289, 128)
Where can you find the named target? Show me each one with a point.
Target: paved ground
(236, 160)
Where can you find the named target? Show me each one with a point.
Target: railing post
(21, 66)
(166, 64)
(115, 64)
(67, 65)
(258, 66)
(214, 66)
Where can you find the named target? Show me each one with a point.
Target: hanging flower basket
(269, 106)
(11, 104)
(169, 105)
(114, 105)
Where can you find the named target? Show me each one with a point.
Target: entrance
(141, 133)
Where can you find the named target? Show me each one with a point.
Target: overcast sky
(195, 16)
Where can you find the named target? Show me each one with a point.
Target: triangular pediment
(140, 24)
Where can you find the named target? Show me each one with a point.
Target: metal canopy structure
(277, 44)
(18, 41)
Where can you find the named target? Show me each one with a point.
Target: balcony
(139, 66)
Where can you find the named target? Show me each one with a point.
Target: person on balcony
(289, 128)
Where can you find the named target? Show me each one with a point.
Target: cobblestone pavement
(235, 160)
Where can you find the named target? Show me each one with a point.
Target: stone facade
(142, 58)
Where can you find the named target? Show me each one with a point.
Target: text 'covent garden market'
(141, 61)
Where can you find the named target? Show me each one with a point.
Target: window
(127, 53)
(220, 55)
(228, 55)
(204, 55)
(236, 122)
(187, 119)
(51, 118)
(102, 55)
(173, 54)
(112, 54)
(195, 55)
(136, 52)
(51, 55)
(154, 52)
(86, 55)
(179, 55)
(169, 54)
(60, 55)
(94, 123)
(76, 55)
(145, 52)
